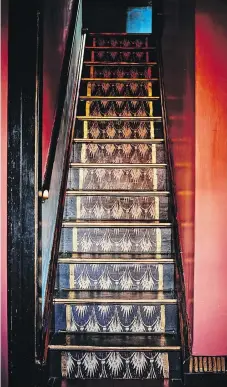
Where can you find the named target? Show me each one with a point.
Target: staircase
(115, 307)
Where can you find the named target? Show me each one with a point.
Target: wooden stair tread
(156, 261)
(119, 118)
(117, 224)
(114, 257)
(75, 192)
(118, 141)
(119, 80)
(70, 296)
(119, 34)
(117, 165)
(114, 342)
(105, 63)
(118, 98)
(118, 48)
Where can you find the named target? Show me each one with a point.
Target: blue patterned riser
(117, 240)
(120, 277)
(115, 365)
(117, 318)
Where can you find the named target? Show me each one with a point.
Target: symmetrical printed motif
(116, 240)
(110, 276)
(140, 179)
(115, 277)
(122, 72)
(114, 299)
(118, 153)
(121, 42)
(111, 318)
(120, 89)
(114, 365)
(122, 56)
(120, 108)
(120, 208)
(123, 129)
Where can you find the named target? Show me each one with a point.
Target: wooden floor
(128, 383)
(114, 383)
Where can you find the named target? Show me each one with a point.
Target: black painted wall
(108, 15)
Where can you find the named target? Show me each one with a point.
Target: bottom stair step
(115, 356)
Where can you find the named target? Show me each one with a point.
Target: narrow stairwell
(115, 307)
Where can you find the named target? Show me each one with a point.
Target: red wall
(56, 21)
(210, 288)
(3, 200)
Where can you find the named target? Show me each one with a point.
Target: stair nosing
(118, 141)
(106, 63)
(155, 261)
(121, 80)
(118, 48)
(148, 34)
(115, 98)
(104, 224)
(116, 193)
(117, 165)
(118, 118)
(113, 301)
(108, 297)
(111, 349)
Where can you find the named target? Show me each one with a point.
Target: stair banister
(56, 174)
(184, 324)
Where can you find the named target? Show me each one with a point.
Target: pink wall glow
(3, 200)
(57, 15)
(210, 286)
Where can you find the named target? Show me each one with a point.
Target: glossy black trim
(24, 134)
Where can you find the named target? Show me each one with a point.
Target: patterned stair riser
(119, 41)
(138, 56)
(116, 240)
(119, 129)
(116, 318)
(115, 365)
(121, 89)
(118, 153)
(131, 108)
(131, 71)
(121, 208)
(141, 179)
(101, 330)
(116, 277)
